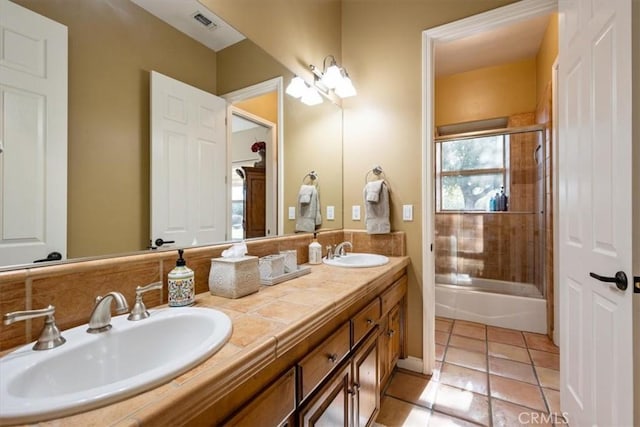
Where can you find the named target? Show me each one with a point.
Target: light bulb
(332, 77)
(345, 88)
(311, 97)
(297, 87)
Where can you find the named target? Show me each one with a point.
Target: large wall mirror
(113, 46)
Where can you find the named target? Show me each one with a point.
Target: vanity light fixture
(333, 78)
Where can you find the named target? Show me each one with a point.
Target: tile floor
(485, 376)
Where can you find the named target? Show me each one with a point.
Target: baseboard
(411, 364)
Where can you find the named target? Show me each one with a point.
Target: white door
(596, 362)
(33, 136)
(188, 163)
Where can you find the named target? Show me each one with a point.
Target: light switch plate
(331, 213)
(407, 212)
(292, 212)
(355, 212)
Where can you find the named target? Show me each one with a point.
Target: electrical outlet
(292, 212)
(331, 213)
(355, 212)
(407, 212)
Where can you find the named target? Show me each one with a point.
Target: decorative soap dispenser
(181, 284)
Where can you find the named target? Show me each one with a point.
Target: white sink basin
(92, 370)
(357, 260)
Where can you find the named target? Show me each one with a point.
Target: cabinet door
(383, 351)
(365, 382)
(331, 406)
(271, 407)
(394, 335)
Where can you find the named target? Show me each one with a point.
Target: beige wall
(382, 50)
(547, 54)
(113, 45)
(485, 93)
(265, 106)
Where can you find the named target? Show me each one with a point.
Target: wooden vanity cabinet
(338, 381)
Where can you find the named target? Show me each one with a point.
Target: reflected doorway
(253, 152)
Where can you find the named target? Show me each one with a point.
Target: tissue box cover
(234, 277)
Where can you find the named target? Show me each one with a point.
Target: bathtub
(483, 301)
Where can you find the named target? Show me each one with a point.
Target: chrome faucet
(50, 336)
(340, 251)
(100, 319)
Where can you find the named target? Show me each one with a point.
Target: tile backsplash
(73, 287)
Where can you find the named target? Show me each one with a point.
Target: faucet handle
(329, 252)
(139, 311)
(50, 336)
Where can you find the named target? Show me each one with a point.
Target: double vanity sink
(91, 370)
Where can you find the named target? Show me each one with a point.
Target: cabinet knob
(333, 358)
(391, 333)
(369, 322)
(356, 386)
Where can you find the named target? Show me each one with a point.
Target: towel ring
(312, 176)
(376, 170)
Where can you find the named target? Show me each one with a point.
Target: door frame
(455, 30)
(275, 84)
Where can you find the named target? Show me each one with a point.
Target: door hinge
(636, 284)
(431, 247)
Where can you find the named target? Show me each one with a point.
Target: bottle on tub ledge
(502, 201)
(181, 284)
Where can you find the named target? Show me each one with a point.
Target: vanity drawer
(365, 320)
(321, 361)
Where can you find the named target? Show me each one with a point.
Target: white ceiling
(179, 14)
(502, 45)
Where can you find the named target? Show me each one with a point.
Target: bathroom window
(469, 172)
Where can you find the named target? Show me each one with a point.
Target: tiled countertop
(265, 325)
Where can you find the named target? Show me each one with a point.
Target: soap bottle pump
(315, 251)
(181, 284)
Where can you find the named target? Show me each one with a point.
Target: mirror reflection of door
(253, 160)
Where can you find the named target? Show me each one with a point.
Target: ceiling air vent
(204, 21)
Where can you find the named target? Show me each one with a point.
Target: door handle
(53, 256)
(159, 242)
(620, 279)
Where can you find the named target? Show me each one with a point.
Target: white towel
(372, 191)
(377, 212)
(309, 215)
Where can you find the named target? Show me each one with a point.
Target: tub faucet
(100, 319)
(340, 251)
